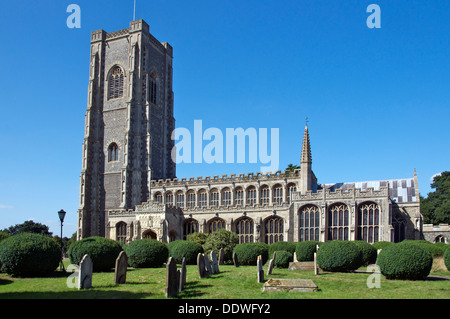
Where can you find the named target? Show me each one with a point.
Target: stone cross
(120, 272)
(171, 278)
(201, 266)
(260, 271)
(214, 262)
(182, 275)
(221, 256)
(235, 260)
(85, 275)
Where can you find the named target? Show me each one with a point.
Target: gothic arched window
(308, 221)
(273, 229)
(190, 226)
(121, 233)
(368, 222)
(264, 195)
(277, 194)
(215, 224)
(251, 195)
(113, 152)
(115, 83)
(244, 230)
(338, 228)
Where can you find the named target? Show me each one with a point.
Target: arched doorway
(149, 234)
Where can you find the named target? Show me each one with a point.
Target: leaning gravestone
(214, 262)
(201, 266)
(235, 260)
(270, 268)
(221, 256)
(171, 278)
(85, 275)
(208, 267)
(260, 271)
(120, 272)
(182, 275)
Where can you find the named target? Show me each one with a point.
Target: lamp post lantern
(61, 215)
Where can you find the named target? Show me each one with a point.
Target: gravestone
(260, 271)
(316, 269)
(171, 278)
(85, 275)
(290, 285)
(270, 268)
(214, 262)
(201, 266)
(120, 272)
(295, 257)
(235, 260)
(221, 256)
(208, 267)
(182, 275)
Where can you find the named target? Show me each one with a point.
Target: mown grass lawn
(231, 283)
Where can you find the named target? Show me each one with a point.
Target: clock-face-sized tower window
(115, 83)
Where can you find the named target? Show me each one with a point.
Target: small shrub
(433, 249)
(369, 253)
(29, 255)
(184, 248)
(146, 253)
(221, 238)
(339, 256)
(102, 251)
(305, 250)
(248, 253)
(406, 261)
(282, 245)
(197, 237)
(282, 259)
(447, 258)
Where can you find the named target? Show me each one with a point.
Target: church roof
(400, 190)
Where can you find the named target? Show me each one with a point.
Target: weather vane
(306, 120)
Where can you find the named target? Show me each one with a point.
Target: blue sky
(377, 99)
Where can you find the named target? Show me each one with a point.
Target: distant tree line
(435, 208)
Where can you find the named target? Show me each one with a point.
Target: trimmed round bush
(369, 253)
(146, 253)
(405, 261)
(184, 248)
(102, 251)
(29, 255)
(282, 245)
(305, 250)
(282, 259)
(434, 250)
(221, 238)
(447, 259)
(248, 253)
(339, 256)
(382, 244)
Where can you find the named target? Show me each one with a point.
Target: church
(128, 184)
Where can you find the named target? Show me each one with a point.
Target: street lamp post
(61, 215)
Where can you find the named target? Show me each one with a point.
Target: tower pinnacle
(306, 147)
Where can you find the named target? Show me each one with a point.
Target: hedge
(339, 256)
(382, 244)
(406, 261)
(369, 253)
(248, 253)
(29, 255)
(146, 253)
(102, 251)
(282, 259)
(447, 259)
(305, 250)
(282, 245)
(434, 250)
(184, 248)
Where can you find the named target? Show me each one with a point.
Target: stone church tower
(128, 123)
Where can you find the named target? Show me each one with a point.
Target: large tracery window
(338, 222)
(309, 221)
(273, 229)
(190, 226)
(368, 222)
(215, 224)
(244, 230)
(115, 83)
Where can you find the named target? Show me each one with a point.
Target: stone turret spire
(306, 147)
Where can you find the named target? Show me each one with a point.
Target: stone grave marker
(201, 266)
(85, 273)
(270, 268)
(260, 271)
(221, 256)
(182, 275)
(214, 262)
(295, 257)
(120, 272)
(171, 278)
(208, 265)
(235, 260)
(316, 269)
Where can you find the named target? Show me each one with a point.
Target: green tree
(291, 167)
(435, 208)
(28, 227)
